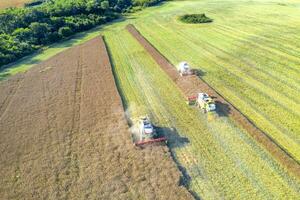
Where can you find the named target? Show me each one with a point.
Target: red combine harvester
(146, 133)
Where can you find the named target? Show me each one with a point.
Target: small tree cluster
(195, 18)
(23, 30)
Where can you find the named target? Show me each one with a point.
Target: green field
(219, 159)
(250, 54)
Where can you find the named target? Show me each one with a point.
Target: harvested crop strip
(192, 85)
(64, 135)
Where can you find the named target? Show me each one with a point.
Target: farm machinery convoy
(144, 132)
(201, 100)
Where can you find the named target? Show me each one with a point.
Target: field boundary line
(189, 86)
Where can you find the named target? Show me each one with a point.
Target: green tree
(40, 32)
(104, 5)
(23, 34)
(65, 31)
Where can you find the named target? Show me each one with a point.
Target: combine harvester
(184, 69)
(203, 101)
(146, 133)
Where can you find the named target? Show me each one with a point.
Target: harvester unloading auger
(203, 101)
(145, 133)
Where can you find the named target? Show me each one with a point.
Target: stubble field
(64, 135)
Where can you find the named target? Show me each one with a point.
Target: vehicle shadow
(174, 140)
(199, 72)
(222, 109)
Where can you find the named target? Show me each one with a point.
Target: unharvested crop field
(219, 160)
(12, 3)
(191, 85)
(64, 136)
(250, 54)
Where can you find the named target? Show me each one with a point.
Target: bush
(145, 3)
(65, 32)
(195, 18)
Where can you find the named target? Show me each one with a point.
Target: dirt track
(191, 85)
(64, 135)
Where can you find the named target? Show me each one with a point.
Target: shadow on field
(174, 139)
(177, 141)
(223, 110)
(199, 72)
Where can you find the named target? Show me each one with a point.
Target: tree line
(24, 30)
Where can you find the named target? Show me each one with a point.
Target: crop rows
(242, 59)
(218, 159)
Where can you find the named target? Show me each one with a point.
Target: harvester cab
(146, 133)
(184, 69)
(203, 101)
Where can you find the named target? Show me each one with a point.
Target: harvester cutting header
(145, 133)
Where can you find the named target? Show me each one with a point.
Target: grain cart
(146, 133)
(203, 101)
(184, 69)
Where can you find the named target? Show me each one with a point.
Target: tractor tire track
(72, 170)
(192, 85)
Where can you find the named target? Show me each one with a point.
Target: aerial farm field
(68, 139)
(219, 160)
(250, 54)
